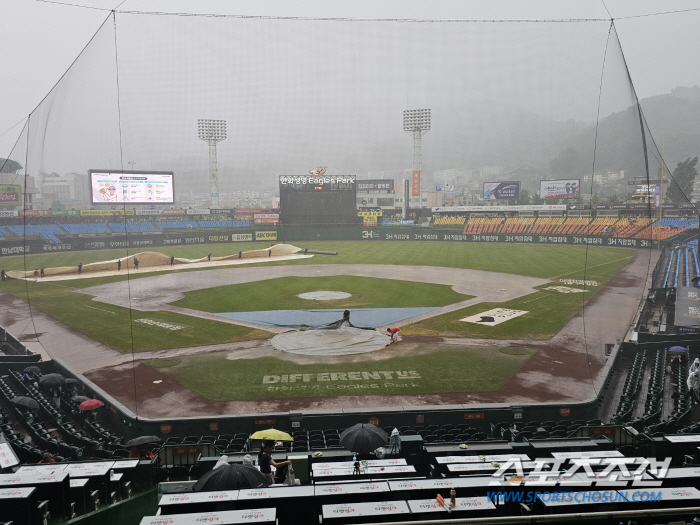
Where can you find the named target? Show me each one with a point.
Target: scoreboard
(318, 199)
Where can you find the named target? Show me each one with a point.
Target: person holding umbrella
(265, 460)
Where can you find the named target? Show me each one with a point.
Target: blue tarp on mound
(361, 317)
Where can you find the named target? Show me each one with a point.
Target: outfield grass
(536, 260)
(469, 369)
(281, 294)
(112, 325)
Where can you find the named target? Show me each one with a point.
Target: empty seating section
(680, 266)
(655, 391)
(176, 225)
(666, 228)
(86, 228)
(449, 221)
(224, 224)
(132, 226)
(605, 226)
(630, 389)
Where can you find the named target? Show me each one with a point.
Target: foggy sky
(297, 93)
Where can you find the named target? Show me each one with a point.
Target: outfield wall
(296, 234)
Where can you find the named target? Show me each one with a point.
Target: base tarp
(344, 339)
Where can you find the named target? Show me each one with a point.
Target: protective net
(513, 152)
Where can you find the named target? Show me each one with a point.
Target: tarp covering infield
(336, 338)
(361, 317)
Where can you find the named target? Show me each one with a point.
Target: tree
(9, 166)
(681, 185)
(524, 197)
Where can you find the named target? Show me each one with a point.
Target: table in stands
(348, 492)
(18, 504)
(79, 495)
(228, 517)
(187, 502)
(477, 507)
(294, 504)
(97, 472)
(378, 472)
(375, 512)
(48, 469)
(475, 468)
(349, 464)
(473, 448)
(497, 458)
(415, 488)
(584, 501)
(7, 456)
(588, 454)
(52, 487)
(680, 476)
(666, 497)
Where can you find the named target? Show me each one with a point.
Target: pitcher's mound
(339, 338)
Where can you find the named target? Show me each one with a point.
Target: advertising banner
(406, 195)
(198, 211)
(317, 183)
(147, 212)
(106, 212)
(688, 307)
(265, 236)
(657, 197)
(241, 237)
(415, 184)
(10, 195)
(266, 220)
(386, 185)
(560, 189)
(64, 213)
(9, 213)
(252, 211)
(501, 190)
(221, 211)
(34, 213)
(173, 212)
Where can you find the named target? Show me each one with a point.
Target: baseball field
(166, 322)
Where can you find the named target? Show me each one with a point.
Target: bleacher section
(176, 225)
(605, 226)
(224, 224)
(86, 228)
(131, 226)
(680, 266)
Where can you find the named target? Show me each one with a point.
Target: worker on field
(394, 334)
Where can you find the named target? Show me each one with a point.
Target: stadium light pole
(211, 132)
(416, 122)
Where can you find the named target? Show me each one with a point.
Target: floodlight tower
(416, 122)
(211, 132)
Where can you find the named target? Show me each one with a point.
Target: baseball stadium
(497, 269)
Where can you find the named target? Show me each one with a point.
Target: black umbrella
(33, 370)
(231, 476)
(142, 440)
(52, 380)
(25, 402)
(363, 438)
(79, 399)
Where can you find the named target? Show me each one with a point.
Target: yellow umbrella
(272, 435)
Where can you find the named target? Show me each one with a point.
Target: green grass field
(281, 294)
(435, 370)
(113, 325)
